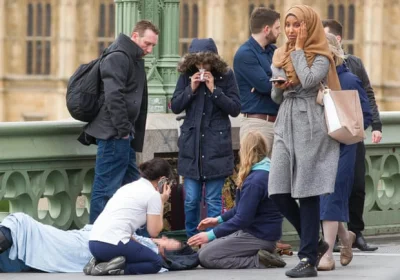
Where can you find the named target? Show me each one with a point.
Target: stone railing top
(40, 128)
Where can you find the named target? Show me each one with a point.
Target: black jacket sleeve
(357, 67)
(114, 70)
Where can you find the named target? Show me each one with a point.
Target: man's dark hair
(143, 25)
(155, 168)
(334, 26)
(261, 17)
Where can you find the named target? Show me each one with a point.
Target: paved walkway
(381, 265)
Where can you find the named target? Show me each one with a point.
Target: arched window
(185, 41)
(38, 31)
(106, 25)
(189, 27)
(251, 9)
(344, 11)
(195, 26)
(331, 11)
(350, 29)
(341, 15)
(350, 26)
(185, 21)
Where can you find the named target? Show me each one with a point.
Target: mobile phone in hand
(161, 184)
(278, 80)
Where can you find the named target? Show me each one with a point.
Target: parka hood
(202, 51)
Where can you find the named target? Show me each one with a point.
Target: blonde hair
(253, 149)
(336, 49)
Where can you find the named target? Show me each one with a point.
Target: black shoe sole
(299, 275)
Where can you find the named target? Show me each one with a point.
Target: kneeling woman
(131, 207)
(246, 235)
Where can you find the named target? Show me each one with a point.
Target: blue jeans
(193, 195)
(139, 258)
(115, 167)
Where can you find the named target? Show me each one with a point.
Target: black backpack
(83, 91)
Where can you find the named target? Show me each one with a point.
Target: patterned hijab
(316, 44)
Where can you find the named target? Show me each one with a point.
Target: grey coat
(304, 158)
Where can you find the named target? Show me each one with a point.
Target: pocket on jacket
(187, 142)
(221, 139)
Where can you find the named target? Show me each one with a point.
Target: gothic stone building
(43, 41)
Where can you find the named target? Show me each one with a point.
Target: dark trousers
(115, 167)
(139, 258)
(305, 219)
(357, 197)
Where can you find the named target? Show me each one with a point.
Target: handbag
(343, 114)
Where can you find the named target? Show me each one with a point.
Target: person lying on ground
(28, 245)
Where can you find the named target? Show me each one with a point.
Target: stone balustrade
(46, 173)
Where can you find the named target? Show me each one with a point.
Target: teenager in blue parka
(334, 208)
(207, 91)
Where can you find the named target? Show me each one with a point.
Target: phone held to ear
(161, 184)
(278, 80)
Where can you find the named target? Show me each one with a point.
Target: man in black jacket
(119, 127)
(357, 197)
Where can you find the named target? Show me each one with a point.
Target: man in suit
(357, 197)
(252, 66)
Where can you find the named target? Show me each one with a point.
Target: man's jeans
(115, 167)
(193, 194)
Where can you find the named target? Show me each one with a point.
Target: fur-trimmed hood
(202, 51)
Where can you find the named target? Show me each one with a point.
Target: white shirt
(126, 211)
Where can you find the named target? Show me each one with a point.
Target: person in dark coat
(119, 127)
(207, 91)
(357, 197)
(334, 208)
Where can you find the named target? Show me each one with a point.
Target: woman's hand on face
(282, 86)
(198, 239)
(166, 192)
(207, 222)
(209, 78)
(302, 36)
(195, 81)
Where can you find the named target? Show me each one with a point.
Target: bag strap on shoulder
(105, 53)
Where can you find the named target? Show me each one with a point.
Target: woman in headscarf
(335, 206)
(305, 158)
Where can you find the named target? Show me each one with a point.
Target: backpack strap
(105, 53)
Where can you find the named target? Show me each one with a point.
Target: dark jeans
(139, 258)
(357, 197)
(305, 220)
(115, 167)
